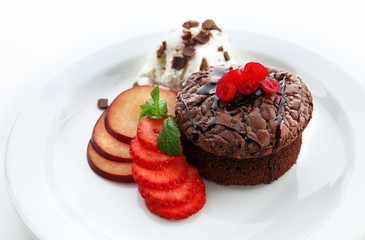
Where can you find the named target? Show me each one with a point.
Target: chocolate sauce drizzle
(300, 102)
(279, 116)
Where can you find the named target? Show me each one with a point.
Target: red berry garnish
(270, 85)
(257, 69)
(233, 76)
(226, 90)
(248, 83)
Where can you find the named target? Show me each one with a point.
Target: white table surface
(39, 38)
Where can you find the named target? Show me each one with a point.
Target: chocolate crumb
(191, 23)
(103, 103)
(202, 37)
(187, 35)
(226, 56)
(188, 51)
(220, 49)
(209, 24)
(178, 62)
(161, 50)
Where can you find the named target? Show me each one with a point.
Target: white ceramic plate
(59, 197)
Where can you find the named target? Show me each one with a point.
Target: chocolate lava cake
(250, 140)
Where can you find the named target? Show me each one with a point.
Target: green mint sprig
(155, 107)
(168, 141)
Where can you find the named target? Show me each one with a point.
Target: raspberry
(270, 85)
(226, 90)
(257, 69)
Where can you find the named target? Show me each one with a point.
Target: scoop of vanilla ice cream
(170, 64)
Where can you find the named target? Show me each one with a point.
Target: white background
(38, 38)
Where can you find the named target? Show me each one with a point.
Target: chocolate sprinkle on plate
(161, 50)
(226, 56)
(220, 49)
(103, 103)
(188, 51)
(190, 24)
(209, 24)
(202, 37)
(178, 62)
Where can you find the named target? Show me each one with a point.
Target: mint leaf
(155, 94)
(146, 111)
(168, 141)
(155, 107)
(163, 106)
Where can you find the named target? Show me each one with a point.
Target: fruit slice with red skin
(123, 113)
(148, 130)
(270, 85)
(148, 158)
(257, 69)
(172, 176)
(226, 90)
(183, 211)
(177, 196)
(111, 170)
(108, 146)
(248, 84)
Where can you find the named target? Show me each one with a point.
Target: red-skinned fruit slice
(183, 211)
(148, 130)
(270, 85)
(226, 90)
(173, 176)
(107, 146)
(148, 158)
(257, 69)
(248, 84)
(123, 113)
(177, 196)
(232, 76)
(111, 170)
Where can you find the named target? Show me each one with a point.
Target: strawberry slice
(176, 196)
(183, 211)
(172, 176)
(148, 158)
(148, 130)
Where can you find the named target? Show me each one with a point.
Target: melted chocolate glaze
(279, 116)
(300, 103)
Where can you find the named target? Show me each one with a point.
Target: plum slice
(108, 146)
(111, 170)
(123, 113)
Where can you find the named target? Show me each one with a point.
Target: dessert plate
(59, 197)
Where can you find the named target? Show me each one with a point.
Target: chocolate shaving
(188, 51)
(178, 62)
(202, 37)
(209, 24)
(191, 23)
(187, 35)
(161, 50)
(226, 56)
(220, 49)
(103, 103)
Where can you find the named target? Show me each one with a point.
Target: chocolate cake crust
(247, 127)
